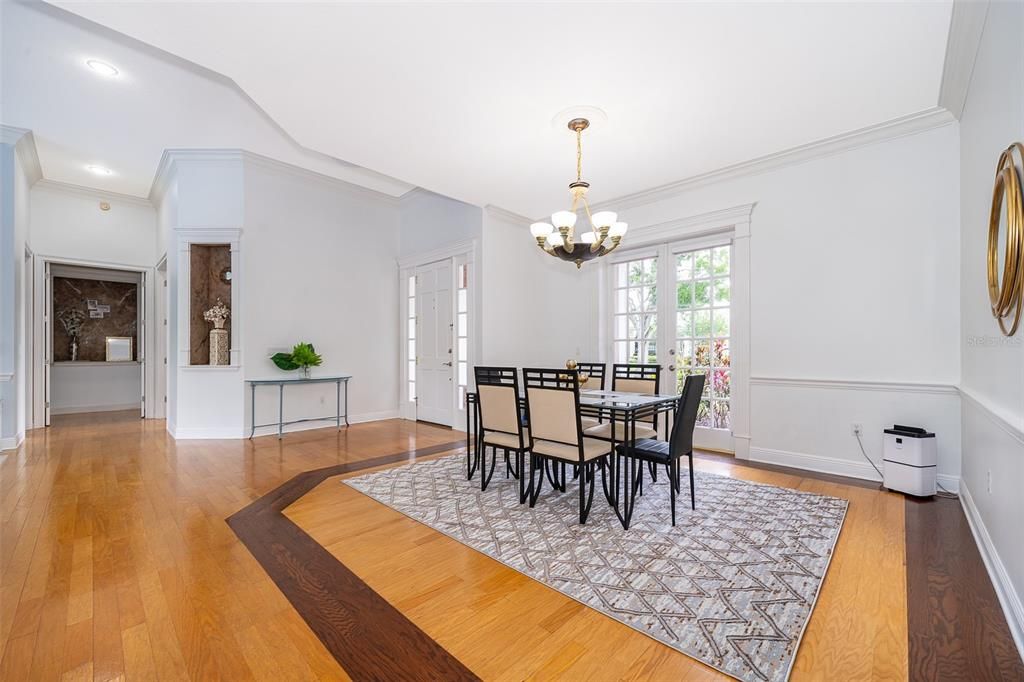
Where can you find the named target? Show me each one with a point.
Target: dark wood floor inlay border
(956, 626)
(367, 636)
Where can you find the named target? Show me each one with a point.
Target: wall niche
(100, 309)
(209, 280)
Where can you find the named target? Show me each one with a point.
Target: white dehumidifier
(910, 460)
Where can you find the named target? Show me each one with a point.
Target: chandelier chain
(579, 156)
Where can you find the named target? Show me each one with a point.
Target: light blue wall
(428, 221)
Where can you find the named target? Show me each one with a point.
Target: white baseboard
(228, 433)
(833, 465)
(206, 433)
(1008, 597)
(12, 442)
(80, 409)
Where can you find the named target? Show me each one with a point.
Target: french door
(433, 335)
(671, 306)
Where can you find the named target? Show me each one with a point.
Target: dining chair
(679, 444)
(595, 372)
(632, 379)
(501, 425)
(556, 432)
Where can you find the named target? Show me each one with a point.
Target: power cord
(881, 484)
(943, 492)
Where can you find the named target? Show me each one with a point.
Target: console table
(341, 382)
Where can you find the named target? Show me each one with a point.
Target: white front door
(671, 307)
(434, 343)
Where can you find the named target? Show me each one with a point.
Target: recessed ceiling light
(99, 170)
(102, 68)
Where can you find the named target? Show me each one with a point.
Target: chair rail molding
(856, 385)
(998, 417)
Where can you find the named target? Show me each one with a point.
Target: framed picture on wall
(119, 349)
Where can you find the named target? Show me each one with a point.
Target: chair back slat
(637, 379)
(552, 405)
(498, 391)
(681, 441)
(595, 372)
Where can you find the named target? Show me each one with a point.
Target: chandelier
(558, 238)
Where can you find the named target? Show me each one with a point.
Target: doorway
(94, 339)
(672, 304)
(438, 318)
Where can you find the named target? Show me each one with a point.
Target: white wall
(993, 365)
(320, 258)
(67, 223)
(538, 311)
(95, 387)
(14, 219)
(854, 278)
(428, 221)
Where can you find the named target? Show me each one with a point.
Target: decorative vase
(307, 371)
(218, 346)
(74, 348)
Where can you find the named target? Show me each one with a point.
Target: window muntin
(635, 305)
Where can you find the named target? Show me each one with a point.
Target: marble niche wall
(209, 279)
(122, 318)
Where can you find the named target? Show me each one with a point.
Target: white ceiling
(458, 98)
(159, 102)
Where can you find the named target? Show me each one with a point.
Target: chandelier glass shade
(559, 237)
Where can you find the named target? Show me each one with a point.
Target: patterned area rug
(732, 584)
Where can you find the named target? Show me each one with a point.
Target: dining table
(623, 409)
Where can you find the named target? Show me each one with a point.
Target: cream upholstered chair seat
(506, 440)
(643, 430)
(592, 449)
(588, 422)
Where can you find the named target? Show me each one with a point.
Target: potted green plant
(303, 356)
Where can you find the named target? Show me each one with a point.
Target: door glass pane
(703, 295)
(635, 310)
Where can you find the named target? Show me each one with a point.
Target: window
(462, 332)
(635, 305)
(410, 337)
(702, 329)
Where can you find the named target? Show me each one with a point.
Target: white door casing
(667, 344)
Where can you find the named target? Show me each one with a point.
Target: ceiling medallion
(558, 237)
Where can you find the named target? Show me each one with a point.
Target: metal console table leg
(280, 412)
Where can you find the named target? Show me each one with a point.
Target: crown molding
(928, 119)
(24, 143)
(305, 174)
(170, 157)
(965, 29)
(92, 193)
(508, 216)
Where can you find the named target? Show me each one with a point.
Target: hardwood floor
(116, 563)
(474, 606)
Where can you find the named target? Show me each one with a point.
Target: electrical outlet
(856, 429)
(989, 482)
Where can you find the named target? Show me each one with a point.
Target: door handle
(449, 364)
